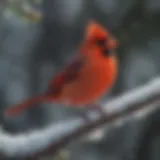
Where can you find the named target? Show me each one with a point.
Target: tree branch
(53, 138)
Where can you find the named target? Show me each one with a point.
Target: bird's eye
(101, 42)
(106, 51)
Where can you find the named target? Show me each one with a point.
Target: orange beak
(112, 44)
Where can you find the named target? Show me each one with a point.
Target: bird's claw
(93, 107)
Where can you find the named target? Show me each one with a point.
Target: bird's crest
(95, 30)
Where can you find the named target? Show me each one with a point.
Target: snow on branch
(53, 138)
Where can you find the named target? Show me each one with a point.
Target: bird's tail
(15, 110)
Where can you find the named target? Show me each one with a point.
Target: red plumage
(92, 72)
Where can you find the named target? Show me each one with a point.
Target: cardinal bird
(84, 79)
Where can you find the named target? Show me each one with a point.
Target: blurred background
(36, 37)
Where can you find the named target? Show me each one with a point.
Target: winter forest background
(36, 37)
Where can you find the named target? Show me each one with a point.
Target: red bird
(91, 73)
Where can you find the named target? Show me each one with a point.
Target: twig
(52, 139)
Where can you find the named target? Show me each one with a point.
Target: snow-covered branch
(55, 137)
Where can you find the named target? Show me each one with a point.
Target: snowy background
(33, 47)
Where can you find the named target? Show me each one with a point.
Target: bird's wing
(70, 74)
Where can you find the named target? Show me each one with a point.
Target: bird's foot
(98, 108)
(93, 107)
(85, 116)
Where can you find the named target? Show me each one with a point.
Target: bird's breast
(94, 79)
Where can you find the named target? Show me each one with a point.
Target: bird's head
(100, 38)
